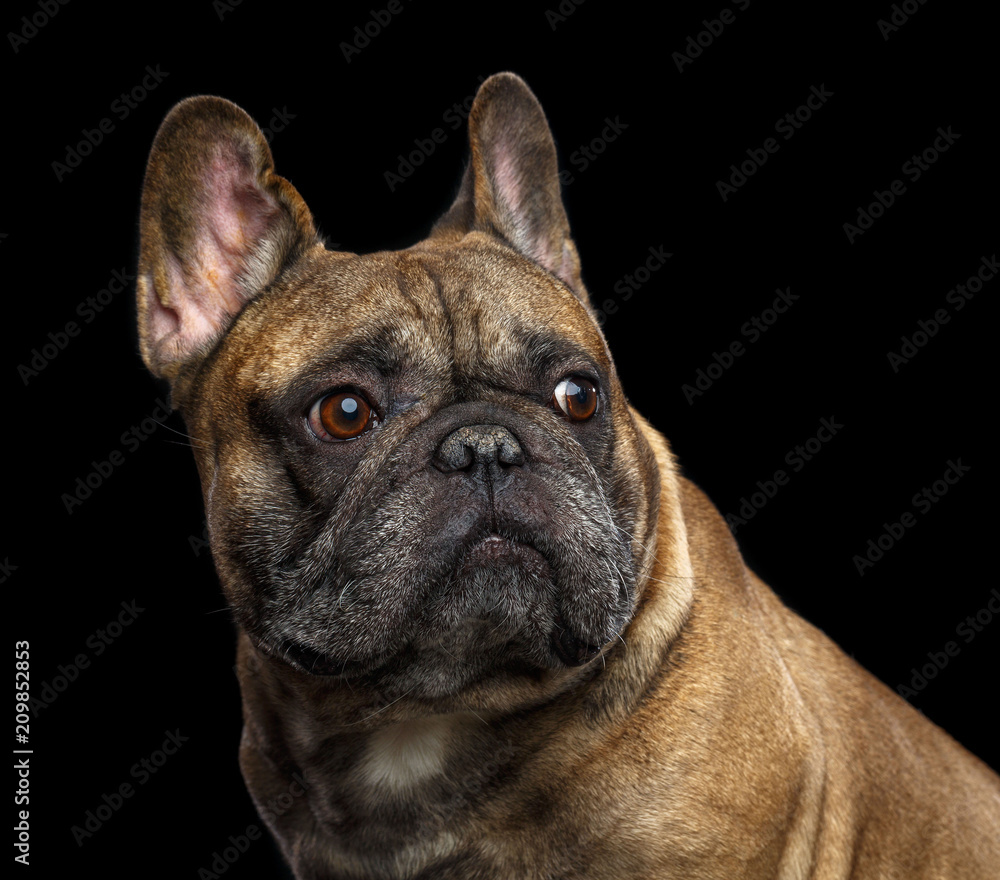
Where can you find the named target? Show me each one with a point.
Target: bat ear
(511, 187)
(217, 226)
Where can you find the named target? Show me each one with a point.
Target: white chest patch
(403, 755)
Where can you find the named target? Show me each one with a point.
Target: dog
(486, 629)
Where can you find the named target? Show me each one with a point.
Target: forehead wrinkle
(351, 311)
(483, 294)
(429, 338)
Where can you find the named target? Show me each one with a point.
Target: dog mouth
(304, 658)
(500, 603)
(465, 615)
(496, 553)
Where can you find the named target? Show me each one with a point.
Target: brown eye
(340, 416)
(576, 397)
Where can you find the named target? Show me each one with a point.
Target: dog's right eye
(576, 397)
(343, 415)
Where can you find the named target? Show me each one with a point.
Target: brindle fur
(404, 673)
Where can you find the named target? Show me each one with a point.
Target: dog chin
(467, 662)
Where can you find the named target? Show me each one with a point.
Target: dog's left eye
(576, 397)
(343, 415)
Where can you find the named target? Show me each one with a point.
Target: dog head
(420, 471)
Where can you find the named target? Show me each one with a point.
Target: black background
(135, 538)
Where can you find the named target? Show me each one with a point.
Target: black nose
(486, 452)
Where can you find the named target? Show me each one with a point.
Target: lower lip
(499, 551)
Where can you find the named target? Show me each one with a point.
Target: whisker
(386, 706)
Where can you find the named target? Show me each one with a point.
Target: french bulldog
(486, 629)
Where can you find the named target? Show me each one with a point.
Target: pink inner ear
(197, 319)
(210, 283)
(507, 181)
(236, 221)
(566, 267)
(526, 235)
(237, 208)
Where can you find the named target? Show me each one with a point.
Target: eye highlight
(343, 415)
(576, 398)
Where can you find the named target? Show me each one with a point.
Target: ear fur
(217, 226)
(511, 186)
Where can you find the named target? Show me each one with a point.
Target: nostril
(453, 455)
(510, 452)
(485, 447)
